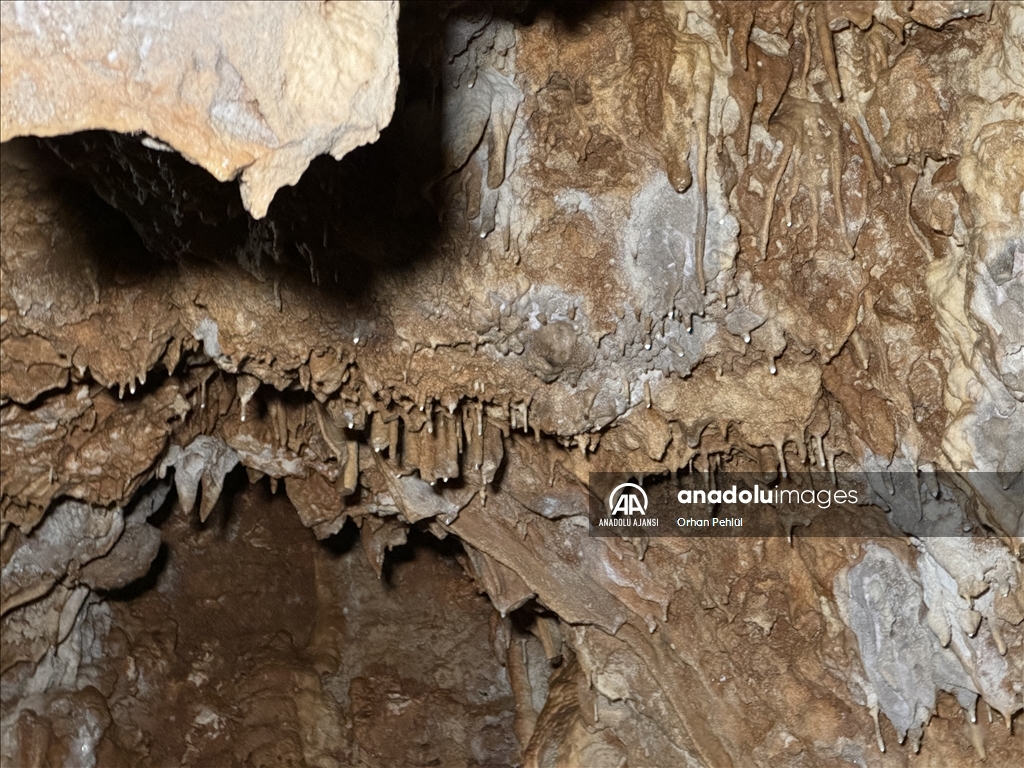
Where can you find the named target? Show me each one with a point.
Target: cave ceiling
(404, 278)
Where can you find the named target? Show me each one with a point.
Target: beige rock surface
(249, 90)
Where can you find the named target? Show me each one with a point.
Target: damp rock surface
(302, 474)
(295, 651)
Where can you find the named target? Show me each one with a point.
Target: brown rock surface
(663, 239)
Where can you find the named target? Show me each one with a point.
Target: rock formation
(242, 90)
(299, 452)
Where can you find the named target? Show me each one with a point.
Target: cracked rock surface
(295, 471)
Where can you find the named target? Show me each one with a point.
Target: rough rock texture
(647, 237)
(255, 90)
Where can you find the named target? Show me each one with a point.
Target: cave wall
(643, 237)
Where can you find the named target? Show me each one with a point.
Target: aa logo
(627, 499)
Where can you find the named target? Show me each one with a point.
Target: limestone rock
(669, 241)
(255, 91)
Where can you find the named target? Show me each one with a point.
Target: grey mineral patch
(905, 664)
